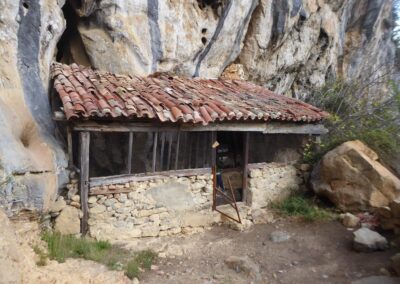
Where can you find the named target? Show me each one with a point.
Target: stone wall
(270, 182)
(170, 205)
(157, 207)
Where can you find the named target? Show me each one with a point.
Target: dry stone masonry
(170, 205)
(158, 207)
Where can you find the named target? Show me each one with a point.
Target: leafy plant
(354, 114)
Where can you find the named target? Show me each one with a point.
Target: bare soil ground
(318, 252)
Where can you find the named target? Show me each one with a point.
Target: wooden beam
(270, 127)
(84, 142)
(129, 161)
(122, 179)
(294, 128)
(70, 148)
(245, 166)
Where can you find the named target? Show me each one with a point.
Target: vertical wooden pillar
(84, 142)
(129, 162)
(214, 168)
(70, 149)
(245, 165)
(155, 150)
(177, 150)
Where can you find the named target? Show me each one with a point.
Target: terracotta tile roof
(91, 94)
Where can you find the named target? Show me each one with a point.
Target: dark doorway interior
(230, 164)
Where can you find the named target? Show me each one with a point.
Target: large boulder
(353, 179)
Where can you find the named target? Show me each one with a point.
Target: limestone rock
(396, 263)
(279, 236)
(293, 46)
(244, 264)
(350, 221)
(366, 240)
(68, 222)
(352, 178)
(57, 206)
(262, 216)
(28, 41)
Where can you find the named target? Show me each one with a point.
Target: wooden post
(163, 134)
(177, 150)
(70, 149)
(155, 150)
(245, 166)
(84, 142)
(214, 168)
(129, 162)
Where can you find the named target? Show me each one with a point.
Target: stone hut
(162, 155)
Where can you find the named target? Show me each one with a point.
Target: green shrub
(375, 120)
(298, 205)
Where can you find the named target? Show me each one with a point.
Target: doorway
(229, 165)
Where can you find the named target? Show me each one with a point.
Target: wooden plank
(177, 150)
(155, 150)
(129, 161)
(122, 179)
(70, 148)
(245, 166)
(84, 142)
(264, 127)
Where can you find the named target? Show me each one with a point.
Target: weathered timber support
(84, 142)
(245, 166)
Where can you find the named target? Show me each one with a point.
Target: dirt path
(315, 253)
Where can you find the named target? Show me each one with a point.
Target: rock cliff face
(290, 46)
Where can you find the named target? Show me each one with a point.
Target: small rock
(366, 240)
(396, 263)
(245, 264)
(350, 221)
(262, 216)
(135, 281)
(384, 271)
(218, 276)
(57, 206)
(76, 198)
(75, 204)
(305, 167)
(279, 236)
(92, 200)
(154, 267)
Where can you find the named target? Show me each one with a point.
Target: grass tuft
(42, 256)
(114, 257)
(301, 206)
(143, 259)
